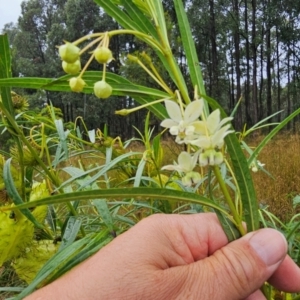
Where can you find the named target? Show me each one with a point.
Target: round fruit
(76, 84)
(103, 55)
(102, 89)
(73, 68)
(69, 52)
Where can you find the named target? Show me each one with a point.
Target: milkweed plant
(56, 213)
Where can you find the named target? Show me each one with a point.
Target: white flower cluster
(207, 134)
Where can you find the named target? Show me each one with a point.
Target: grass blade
(5, 72)
(136, 193)
(189, 47)
(272, 134)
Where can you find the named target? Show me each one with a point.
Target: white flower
(210, 137)
(186, 165)
(255, 165)
(210, 132)
(183, 124)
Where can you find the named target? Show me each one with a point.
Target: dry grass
(282, 159)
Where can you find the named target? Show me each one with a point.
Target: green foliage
(95, 188)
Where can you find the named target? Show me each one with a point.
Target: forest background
(248, 50)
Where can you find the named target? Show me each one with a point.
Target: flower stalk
(230, 203)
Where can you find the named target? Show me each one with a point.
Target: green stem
(173, 66)
(229, 201)
(21, 161)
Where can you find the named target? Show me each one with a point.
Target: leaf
(229, 228)
(104, 213)
(117, 13)
(244, 180)
(296, 201)
(272, 134)
(14, 195)
(121, 87)
(63, 260)
(70, 233)
(141, 21)
(139, 172)
(159, 14)
(242, 174)
(190, 49)
(5, 72)
(39, 252)
(136, 193)
(16, 235)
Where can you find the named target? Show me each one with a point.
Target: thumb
(234, 271)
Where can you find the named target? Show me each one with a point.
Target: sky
(10, 10)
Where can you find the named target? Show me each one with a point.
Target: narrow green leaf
(71, 231)
(272, 134)
(121, 193)
(160, 16)
(229, 228)
(54, 264)
(117, 13)
(5, 72)
(104, 213)
(156, 145)
(139, 172)
(121, 87)
(244, 180)
(189, 47)
(99, 241)
(142, 23)
(14, 195)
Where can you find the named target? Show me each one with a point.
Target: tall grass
(282, 160)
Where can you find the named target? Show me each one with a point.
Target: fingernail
(270, 245)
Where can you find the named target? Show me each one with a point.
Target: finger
(287, 276)
(257, 295)
(201, 234)
(235, 271)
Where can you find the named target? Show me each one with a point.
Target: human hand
(180, 257)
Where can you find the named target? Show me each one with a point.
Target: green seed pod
(73, 68)
(76, 84)
(103, 55)
(69, 52)
(102, 89)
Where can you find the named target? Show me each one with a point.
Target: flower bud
(122, 112)
(76, 84)
(102, 89)
(132, 58)
(68, 52)
(103, 55)
(73, 68)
